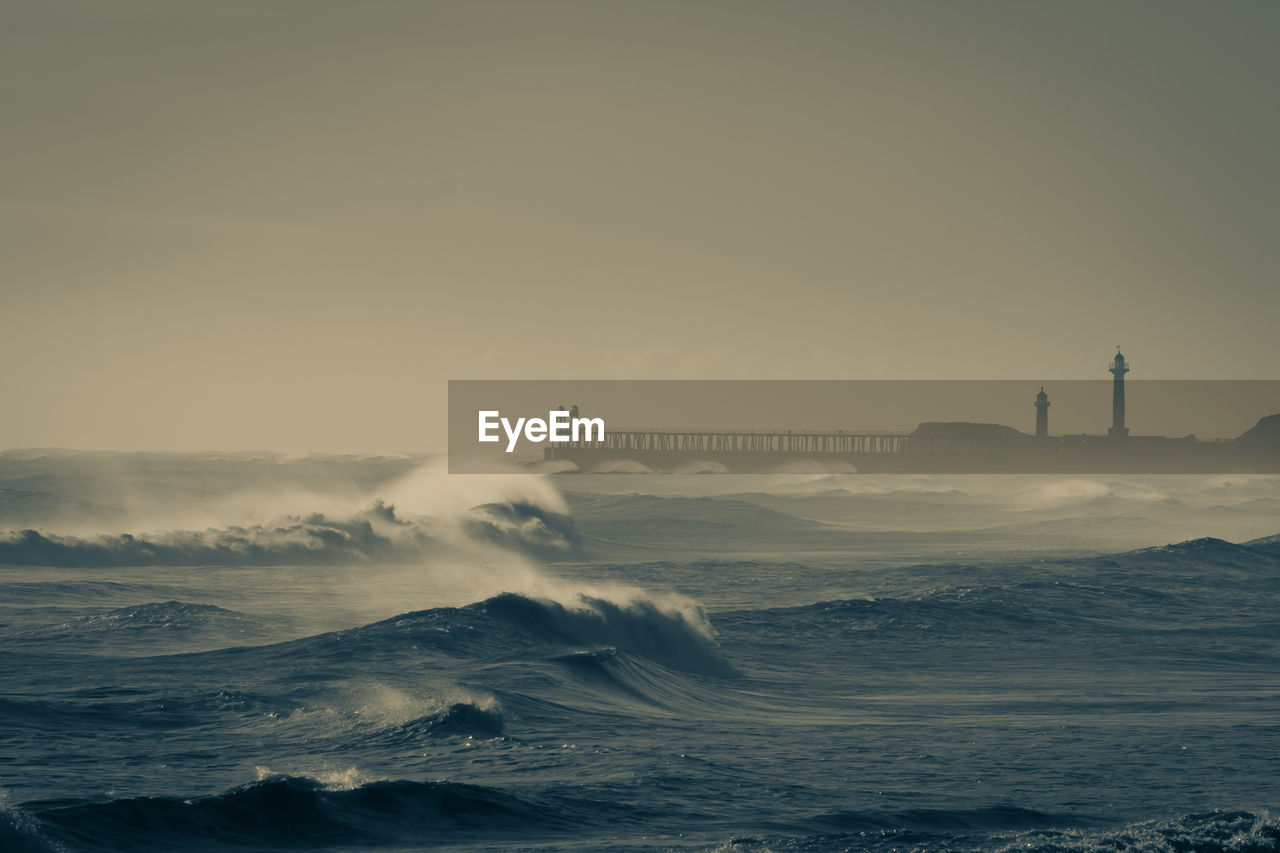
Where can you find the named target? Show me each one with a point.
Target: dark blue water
(713, 671)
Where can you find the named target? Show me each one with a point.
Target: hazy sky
(286, 224)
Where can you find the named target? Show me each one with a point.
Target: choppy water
(719, 663)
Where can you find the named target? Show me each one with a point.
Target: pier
(659, 440)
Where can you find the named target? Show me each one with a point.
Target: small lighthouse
(1042, 414)
(1118, 369)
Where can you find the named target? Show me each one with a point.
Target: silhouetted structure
(933, 447)
(1118, 369)
(1042, 414)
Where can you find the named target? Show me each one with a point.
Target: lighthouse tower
(1042, 414)
(1118, 369)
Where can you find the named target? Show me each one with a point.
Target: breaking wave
(674, 633)
(466, 719)
(376, 534)
(678, 637)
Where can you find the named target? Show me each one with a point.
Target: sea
(235, 652)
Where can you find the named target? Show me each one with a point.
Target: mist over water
(249, 652)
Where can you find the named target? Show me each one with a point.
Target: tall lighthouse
(1042, 414)
(1118, 369)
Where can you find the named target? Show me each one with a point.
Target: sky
(285, 225)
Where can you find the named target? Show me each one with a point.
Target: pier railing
(747, 441)
(659, 440)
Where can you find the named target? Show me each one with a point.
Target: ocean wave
(164, 616)
(460, 718)
(51, 716)
(1006, 829)
(1203, 832)
(45, 593)
(969, 615)
(1210, 551)
(991, 818)
(523, 526)
(21, 833)
(139, 629)
(464, 719)
(136, 709)
(508, 628)
(375, 534)
(294, 812)
(676, 636)
(607, 680)
(1197, 584)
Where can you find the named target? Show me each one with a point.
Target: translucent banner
(865, 426)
